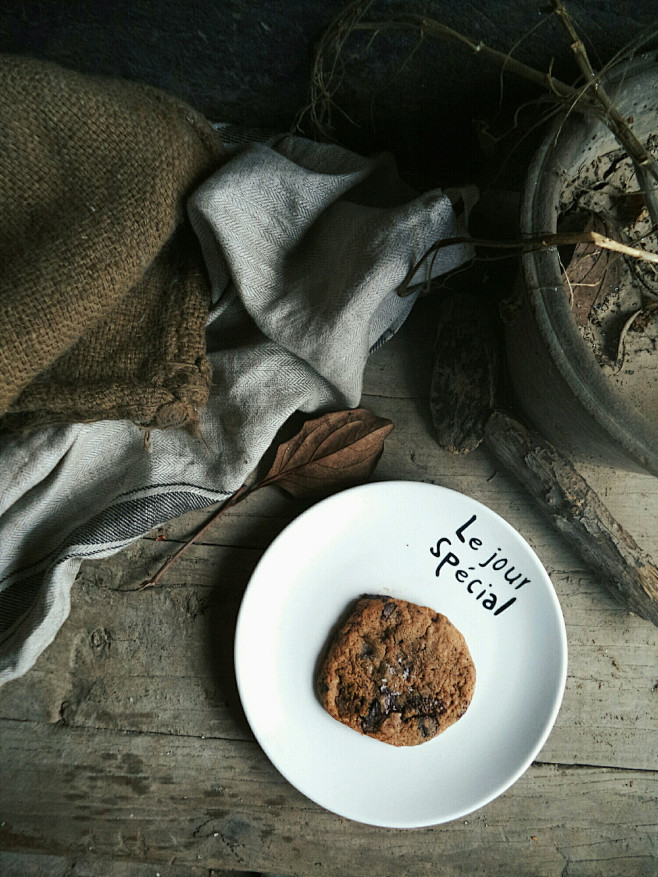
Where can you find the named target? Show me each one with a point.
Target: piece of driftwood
(462, 402)
(464, 371)
(578, 513)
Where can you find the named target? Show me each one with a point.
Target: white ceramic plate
(391, 538)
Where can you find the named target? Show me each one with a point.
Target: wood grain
(166, 798)
(125, 671)
(126, 742)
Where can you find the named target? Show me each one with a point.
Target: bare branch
(530, 244)
(592, 98)
(646, 166)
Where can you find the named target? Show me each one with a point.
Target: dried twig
(539, 242)
(231, 501)
(646, 166)
(432, 28)
(590, 99)
(328, 65)
(578, 514)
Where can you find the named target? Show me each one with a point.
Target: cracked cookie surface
(396, 671)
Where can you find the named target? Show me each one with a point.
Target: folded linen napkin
(305, 246)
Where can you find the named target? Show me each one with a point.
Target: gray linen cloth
(305, 246)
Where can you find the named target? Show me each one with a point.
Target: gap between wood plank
(239, 740)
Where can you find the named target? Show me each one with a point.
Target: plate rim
(558, 695)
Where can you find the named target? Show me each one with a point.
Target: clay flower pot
(591, 403)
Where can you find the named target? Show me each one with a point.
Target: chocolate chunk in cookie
(396, 671)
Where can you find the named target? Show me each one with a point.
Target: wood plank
(412, 453)
(134, 707)
(181, 800)
(396, 385)
(183, 682)
(42, 865)
(161, 659)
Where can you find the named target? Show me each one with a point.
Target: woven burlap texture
(103, 292)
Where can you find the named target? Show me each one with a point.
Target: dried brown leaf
(332, 452)
(329, 453)
(629, 206)
(589, 272)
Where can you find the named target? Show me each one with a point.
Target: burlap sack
(103, 293)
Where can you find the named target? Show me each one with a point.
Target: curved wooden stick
(577, 513)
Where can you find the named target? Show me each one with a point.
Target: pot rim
(564, 143)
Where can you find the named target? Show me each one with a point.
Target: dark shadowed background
(249, 63)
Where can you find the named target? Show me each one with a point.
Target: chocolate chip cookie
(396, 671)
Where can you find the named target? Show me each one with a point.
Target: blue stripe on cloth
(113, 527)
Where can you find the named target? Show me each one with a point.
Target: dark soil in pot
(614, 298)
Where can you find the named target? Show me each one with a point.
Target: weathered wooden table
(125, 751)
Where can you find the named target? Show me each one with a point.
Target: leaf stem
(235, 498)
